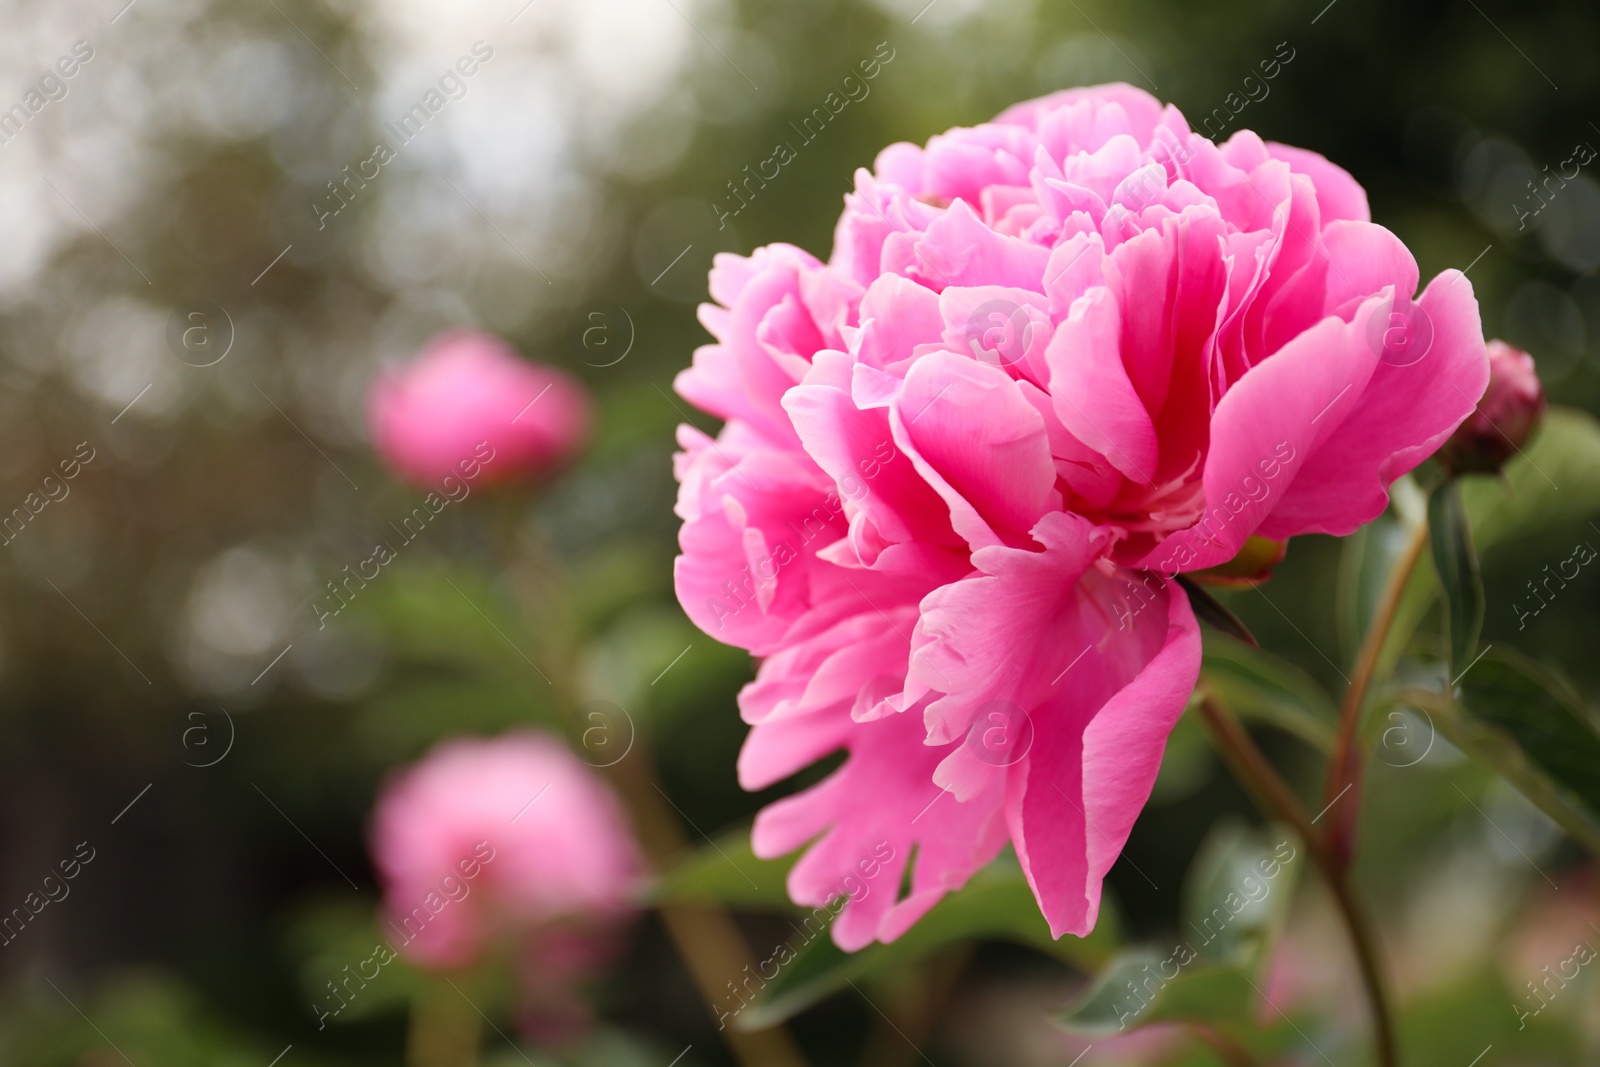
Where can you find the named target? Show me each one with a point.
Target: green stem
(444, 1029)
(709, 942)
(1344, 768)
(1276, 800)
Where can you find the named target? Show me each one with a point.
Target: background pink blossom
(467, 388)
(560, 845)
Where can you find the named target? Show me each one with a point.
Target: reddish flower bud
(1511, 409)
(470, 407)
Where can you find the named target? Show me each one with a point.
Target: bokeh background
(157, 641)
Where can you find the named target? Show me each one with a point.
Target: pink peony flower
(469, 406)
(1053, 361)
(511, 836)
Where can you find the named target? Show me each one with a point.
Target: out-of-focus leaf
(1366, 559)
(152, 1016)
(444, 616)
(1236, 897)
(1555, 482)
(1186, 764)
(725, 870)
(1431, 1030)
(1211, 611)
(1235, 903)
(1259, 686)
(996, 905)
(1135, 991)
(1498, 749)
(415, 712)
(350, 968)
(1549, 721)
(1456, 563)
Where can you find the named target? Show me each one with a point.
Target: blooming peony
(1054, 361)
(506, 836)
(469, 404)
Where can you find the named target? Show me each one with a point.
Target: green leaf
(447, 617)
(725, 871)
(1236, 897)
(1499, 751)
(1259, 686)
(334, 940)
(1135, 991)
(1456, 563)
(1236, 900)
(421, 707)
(995, 905)
(1523, 501)
(1555, 482)
(1187, 763)
(1507, 690)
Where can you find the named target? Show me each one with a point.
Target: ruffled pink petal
(864, 822)
(1008, 632)
(1338, 194)
(958, 249)
(1264, 430)
(978, 442)
(1403, 415)
(1072, 803)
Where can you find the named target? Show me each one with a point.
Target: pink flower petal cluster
(468, 402)
(1054, 361)
(510, 836)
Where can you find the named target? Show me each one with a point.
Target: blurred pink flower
(1053, 361)
(469, 403)
(511, 837)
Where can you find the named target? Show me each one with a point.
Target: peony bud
(1511, 409)
(470, 407)
(511, 839)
